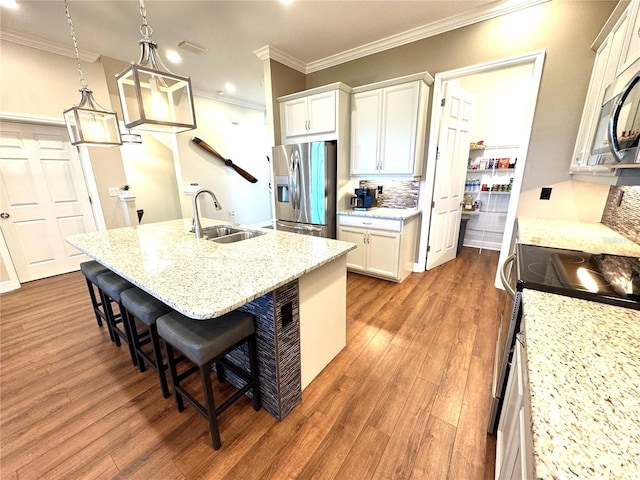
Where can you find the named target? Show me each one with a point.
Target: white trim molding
(47, 45)
(478, 15)
(269, 52)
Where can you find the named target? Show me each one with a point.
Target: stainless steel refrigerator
(305, 193)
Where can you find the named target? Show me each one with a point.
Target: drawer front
(388, 224)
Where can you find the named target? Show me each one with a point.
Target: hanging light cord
(83, 82)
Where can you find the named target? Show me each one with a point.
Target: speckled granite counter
(383, 212)
(294, 285)
(203, 279)
(584, 374)
(575, 235)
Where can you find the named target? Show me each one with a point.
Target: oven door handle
(503, 275)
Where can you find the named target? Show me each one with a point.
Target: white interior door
(43, 199)
(451, 166)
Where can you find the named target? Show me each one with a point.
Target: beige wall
(40, 85)
(284, 80)
(564, 29)
(239, 134)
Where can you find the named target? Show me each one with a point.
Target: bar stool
(146, 308)
(206, 342)
(91, 270)
(111, 287)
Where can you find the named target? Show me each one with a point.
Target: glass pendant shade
(91, 125)
(154, 99)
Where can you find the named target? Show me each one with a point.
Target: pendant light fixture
(131, 138)
(88, 123)
(152, 97)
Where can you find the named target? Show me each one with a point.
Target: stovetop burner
(604, 278)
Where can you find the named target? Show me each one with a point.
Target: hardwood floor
(408, 397)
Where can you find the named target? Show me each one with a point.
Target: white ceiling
(309, 34)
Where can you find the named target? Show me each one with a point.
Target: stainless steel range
(611, 279)
(605, 278)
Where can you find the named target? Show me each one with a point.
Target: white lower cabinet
(386, 247)
(514, 448)
(377, 251)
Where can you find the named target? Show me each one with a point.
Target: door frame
(428, 179)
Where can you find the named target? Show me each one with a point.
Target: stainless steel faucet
(197, 227)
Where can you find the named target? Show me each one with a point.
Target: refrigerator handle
(293, 186)
(298, 182)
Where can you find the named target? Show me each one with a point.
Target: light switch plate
(114, 191)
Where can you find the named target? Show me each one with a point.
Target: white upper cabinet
(365, 131)
(619, 48)
(316, 115)
(631, 48)
(310, 115)
(388, 127)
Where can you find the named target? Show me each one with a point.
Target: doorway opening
(506, 93)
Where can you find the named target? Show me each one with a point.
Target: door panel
(384, 253)
(356, 257)
(400, 124)
(451, 166)
(45, 196)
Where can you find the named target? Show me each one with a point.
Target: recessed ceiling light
(173, 56)
(12, 4)
(220, 92)
(229, 87)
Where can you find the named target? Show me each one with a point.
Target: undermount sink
(219, 231)
(237, 236)
(228, 234)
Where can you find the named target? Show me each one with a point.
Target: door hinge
(433, 204)
(428, 248)
(442, 102)
(90, 201)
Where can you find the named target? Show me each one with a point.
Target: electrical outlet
(114, 191)
(379, 189)
(545, 193)
(231, 213)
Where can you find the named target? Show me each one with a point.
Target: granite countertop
(583, 362)
(575, 235)
(200, 278)
(383, 212)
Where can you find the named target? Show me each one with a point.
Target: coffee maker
(364, 199)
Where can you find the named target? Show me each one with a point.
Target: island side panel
(323, 317)
(278, 331)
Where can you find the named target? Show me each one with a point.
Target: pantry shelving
(487, 195)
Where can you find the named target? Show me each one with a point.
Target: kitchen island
(295, 285)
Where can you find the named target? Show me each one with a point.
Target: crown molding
(47, 45)
(478, 15)
(269, 52)
(229, 100)
(420, 33)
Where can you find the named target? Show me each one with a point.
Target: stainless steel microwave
(618, 131)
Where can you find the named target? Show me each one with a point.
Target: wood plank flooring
(408, 398)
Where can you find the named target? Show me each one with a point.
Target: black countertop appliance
(364, 199)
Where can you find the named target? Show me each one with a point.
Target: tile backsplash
(396, 193)
(623, 218)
